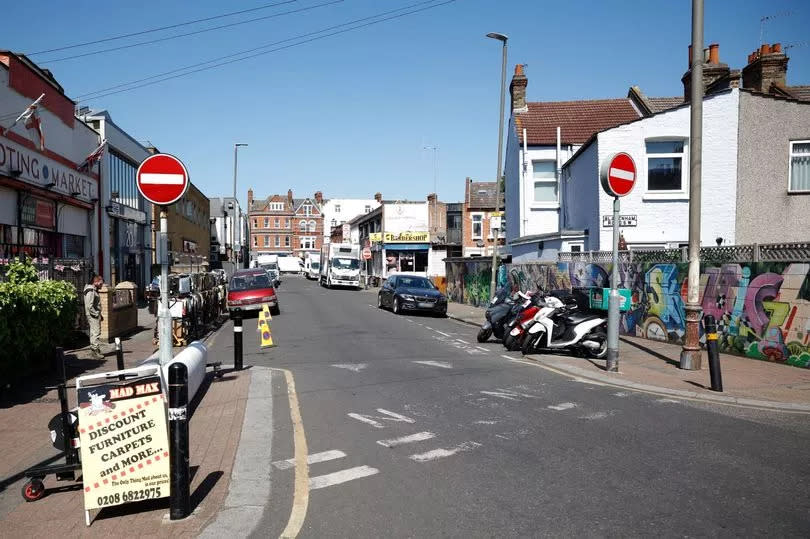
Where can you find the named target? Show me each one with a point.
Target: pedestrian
(92, 309)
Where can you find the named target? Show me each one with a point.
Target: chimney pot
(518, 69)
(764, 49)
(705, 55)
(776, 47)
(714, 53)
(378, 197)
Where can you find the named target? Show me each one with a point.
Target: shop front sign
(406, 237)
(34, 168)
(116, 209)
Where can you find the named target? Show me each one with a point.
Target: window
(337, 208)
(277, 222)
(266, 222)
(286, 223)
(278, 241)
(308, 209)
(267, 241)
(307, 242)
(255, 241)
(302, 226)
(286, 241)
(453, 221)
(477, 226)
(367, 209)
(276, 206)
(334, 222)
(255, 223)
(545, 181)
(799, 177)
(665, 171)
(312, 226)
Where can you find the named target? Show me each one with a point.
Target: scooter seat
(578, 318)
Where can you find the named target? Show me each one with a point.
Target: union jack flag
(32, 121)
(95, 156)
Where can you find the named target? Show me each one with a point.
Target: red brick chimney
(766, 66)
(378, 197)
(250, 198)
(319, 197)
(517, 89)
(289, 196)
(716, 75)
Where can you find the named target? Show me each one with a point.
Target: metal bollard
(179, 497)
(119, 358)
(716, 376)
(237, 340)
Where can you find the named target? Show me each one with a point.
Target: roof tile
(578, 120)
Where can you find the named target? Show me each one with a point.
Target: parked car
(403, 292)
(249, 290)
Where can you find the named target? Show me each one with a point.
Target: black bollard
(119, 358)
(710, 326)
(179, 497)
(71, 456)
(237, 340)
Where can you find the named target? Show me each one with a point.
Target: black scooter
(502, 309)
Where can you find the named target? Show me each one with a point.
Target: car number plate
(424, 305)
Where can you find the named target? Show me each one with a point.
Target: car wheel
(379, 301)
(395, 307)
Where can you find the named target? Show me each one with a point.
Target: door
(388, 291)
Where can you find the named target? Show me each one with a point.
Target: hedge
(35, 316)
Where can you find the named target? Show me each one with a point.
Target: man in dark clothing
(92, 310)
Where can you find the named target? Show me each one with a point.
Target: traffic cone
(266, 311)
(267, 338)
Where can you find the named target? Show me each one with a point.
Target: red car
(250, 289)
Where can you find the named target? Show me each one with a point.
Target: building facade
(126, 215)
(228, 232)
(48, 207)
(308, 224)
(189, 232)
(270, 224)
(478, 224)
(337, 211)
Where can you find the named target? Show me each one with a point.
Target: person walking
(92, 310)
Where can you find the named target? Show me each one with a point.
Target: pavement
(652, 366)
(362, 423)
(215, 428)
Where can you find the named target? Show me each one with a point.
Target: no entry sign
(162, 179)
(619, 175)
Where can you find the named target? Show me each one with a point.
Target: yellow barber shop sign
(406, 237)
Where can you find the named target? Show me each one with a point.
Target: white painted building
(338, 211)
(228, 230)
(126, 215)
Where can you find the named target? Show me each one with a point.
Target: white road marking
(428, 327)
(336, 478)
(442, 333)
(311, 459)
(510, 358)
(482, 348)
(418, 437)
(508, 395)
(485, 422)
(442, 364)
(356, 367)
(462, 342)
(668, 401)
(598, 415)
(370, 419)
(562, 406)
(621, 394)
(441, 452)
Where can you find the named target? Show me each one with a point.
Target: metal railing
(764, 252)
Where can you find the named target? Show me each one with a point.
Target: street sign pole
(164, 314)
(613, 305)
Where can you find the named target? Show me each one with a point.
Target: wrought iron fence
(766, 252)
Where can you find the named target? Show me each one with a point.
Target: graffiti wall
(762, 309)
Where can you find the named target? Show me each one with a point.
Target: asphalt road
(415, 430)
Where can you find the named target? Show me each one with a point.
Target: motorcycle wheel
(601, 338)
(484, 334)
(527, 347)
(512, 343)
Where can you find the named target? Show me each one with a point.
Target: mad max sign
(124, 442)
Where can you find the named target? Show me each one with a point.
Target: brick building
(479, 204)
(189, 231)
(285, 226)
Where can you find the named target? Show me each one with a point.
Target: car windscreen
(315, 265)
(345, 263)
(415, 282)
(249, 282)
(270, 266)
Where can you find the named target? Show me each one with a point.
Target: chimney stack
(319, 197)
(250, 198)
(289, 196)
(766, 67)
(714, 72)
(431, 197)
(517, 88)
(378, 197)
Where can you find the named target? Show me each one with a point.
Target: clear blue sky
(350, 114)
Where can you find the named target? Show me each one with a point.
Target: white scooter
(558, 326)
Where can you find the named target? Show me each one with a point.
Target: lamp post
(235, 160)
(503, 39)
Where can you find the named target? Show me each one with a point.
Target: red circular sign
(162, 179)
(366, 253)
(619, 175)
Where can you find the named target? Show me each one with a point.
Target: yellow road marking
(298, 512)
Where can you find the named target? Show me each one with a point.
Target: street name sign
(162, 179)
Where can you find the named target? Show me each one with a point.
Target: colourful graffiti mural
(468, 281)
(762, 309)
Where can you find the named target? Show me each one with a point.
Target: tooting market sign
(39, 170)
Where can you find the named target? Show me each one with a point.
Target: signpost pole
(613, 305)
(164, 315)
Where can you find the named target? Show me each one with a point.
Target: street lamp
(503, 39)
(235, 156)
